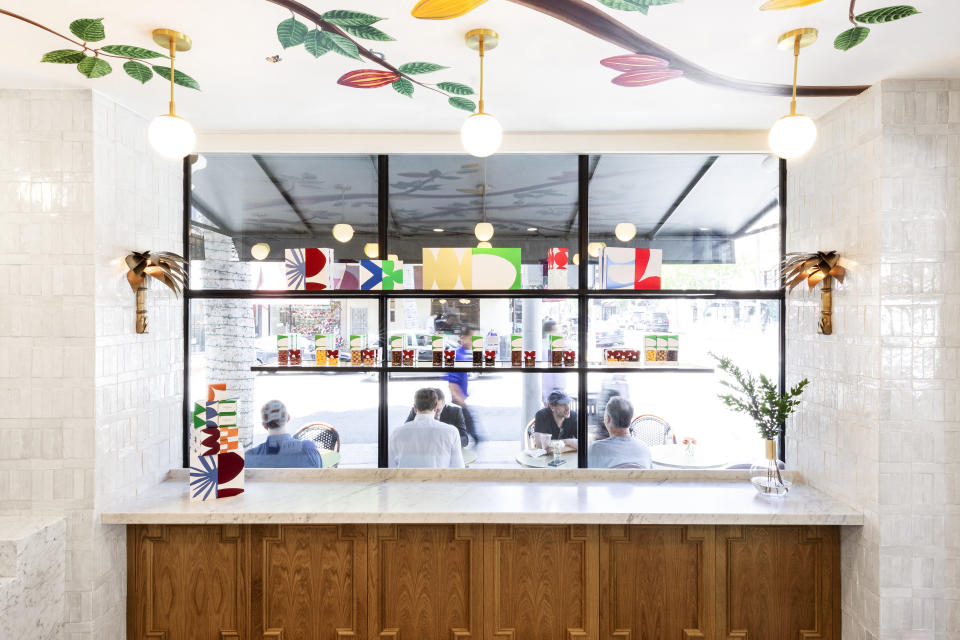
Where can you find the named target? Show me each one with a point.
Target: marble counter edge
(253, 518)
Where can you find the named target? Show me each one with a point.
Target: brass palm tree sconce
(164, 266)
(816, 268)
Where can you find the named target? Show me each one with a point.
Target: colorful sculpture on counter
(216, 457)
(630, 268)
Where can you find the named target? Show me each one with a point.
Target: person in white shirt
(620, 448)
(425, 442)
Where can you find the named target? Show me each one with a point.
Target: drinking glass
(557, 446)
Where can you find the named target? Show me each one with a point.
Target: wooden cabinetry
(472, 581)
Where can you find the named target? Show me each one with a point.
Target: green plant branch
(83, 45)
(309, 14)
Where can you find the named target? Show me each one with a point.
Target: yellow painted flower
(444, 9)
(773, 5)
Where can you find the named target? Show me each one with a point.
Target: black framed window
(717, 218)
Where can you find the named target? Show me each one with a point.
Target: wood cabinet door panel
(187, 582)
(778, 582)
(540, 582)
(656, 583)
(308, 582)
(425, 582)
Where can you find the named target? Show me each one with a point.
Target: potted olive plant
(759, 398)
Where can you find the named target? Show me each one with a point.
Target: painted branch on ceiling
(336, 30)
(91, 62)
(599, 24)
(858, 33)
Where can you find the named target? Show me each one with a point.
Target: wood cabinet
(473, 581)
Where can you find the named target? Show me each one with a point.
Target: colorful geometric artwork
(557, 272)
(203, 478)
(346, 276)
(392, 274)
(447, 269)
(629, 268)
(471, 268)
(308, 269)
(216, 392)
(496, 269)
(371, 275)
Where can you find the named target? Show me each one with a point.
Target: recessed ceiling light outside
(438, 230)
(531, 228)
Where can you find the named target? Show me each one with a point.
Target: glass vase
(765, 475)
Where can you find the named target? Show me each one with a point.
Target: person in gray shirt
(620, 448)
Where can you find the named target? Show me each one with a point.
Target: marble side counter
(575, 496)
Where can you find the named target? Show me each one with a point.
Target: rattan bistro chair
(526, 439)
(651, 430)
(325, 436)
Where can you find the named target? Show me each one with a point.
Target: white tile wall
(91, 409)
(880, 426)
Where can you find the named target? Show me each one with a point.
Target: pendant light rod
(173, 41)
(796, 40)
(173, 56)
(796, 63)
(480, 101)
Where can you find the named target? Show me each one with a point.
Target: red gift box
(530, 358)
(569, 358)
(283, 356)
(333, 354)
(632, 355)
(490, 357)
(369, 356)
(618, 355)
(449, 356)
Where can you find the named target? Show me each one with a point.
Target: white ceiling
(545, 76)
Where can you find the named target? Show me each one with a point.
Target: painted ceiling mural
(344, 32)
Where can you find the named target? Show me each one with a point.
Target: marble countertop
(325, 496)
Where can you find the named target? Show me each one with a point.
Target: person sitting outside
(449, 414)
(620, 448)
(556, 420)
(425, 442)
(281, 451)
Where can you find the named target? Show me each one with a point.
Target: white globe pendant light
(483, 231)
(481, 133)
(625, 231)
(170, 135)
(794, 134)
(484, 245)
(371, 250)
(260, 251)
(342, 232)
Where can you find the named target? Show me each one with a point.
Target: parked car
(608, 334)
(657, 321)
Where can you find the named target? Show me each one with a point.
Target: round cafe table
(543, 461)
(469, 457)
(330, 458)
(675, 456)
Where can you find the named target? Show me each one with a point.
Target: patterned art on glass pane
(447, 269)
(346, 276)
(308, 269)
(371, 275)
(295, 264)
(496, 268)
(629, 268)
(471, 268)
(557, 260)
(392, 274)
(216, 392)
(216, 457)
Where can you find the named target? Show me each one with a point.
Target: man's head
(274, 415)
(441, 400)
(425, 400)
(559, 404)
(549, 326)
(466, 337)
(618, 415)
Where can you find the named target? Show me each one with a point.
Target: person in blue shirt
(458, 382)
(620, 449)
(281, 451)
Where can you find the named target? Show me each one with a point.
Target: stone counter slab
(575, 497)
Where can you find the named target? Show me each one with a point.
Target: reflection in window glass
(715, 217)
(232, 340)
(531, 202)
(246, 209)
(686, 403)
